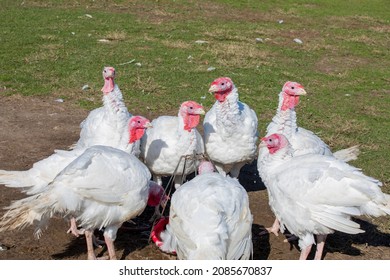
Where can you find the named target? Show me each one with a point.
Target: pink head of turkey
(190, 111)
(291, 92)
(155, 234)
(157, 195)
(205, 167)
(108, 76)
(137, 126)
(221, 88)
(274, 142)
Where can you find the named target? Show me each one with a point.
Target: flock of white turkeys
(116, 168)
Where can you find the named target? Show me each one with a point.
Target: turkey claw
(290, 237)
(269, 230)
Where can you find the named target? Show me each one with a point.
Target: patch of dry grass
(342, 130)
(47, 52)
(177, 44)
(116, 36)
(146, 85)
(385, 28)
(49, 37)
(339, 66)
(233, 54)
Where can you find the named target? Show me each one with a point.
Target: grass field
(54, 48)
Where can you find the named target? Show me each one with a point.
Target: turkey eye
(223, 84)
(191, 107)
(292, 87)
(139, 121)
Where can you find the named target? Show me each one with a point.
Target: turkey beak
(148, 125)
(301, 91)
(213, 89)
(200, 111)
(262, 143)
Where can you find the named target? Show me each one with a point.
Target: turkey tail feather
(34, 210)
(14, 179)
(348, 154)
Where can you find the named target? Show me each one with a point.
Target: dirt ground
(31, 128)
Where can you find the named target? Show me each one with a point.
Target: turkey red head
(157, 195)
(291, 92)
(159, 227)
(274, 142)
(137, 126)
(108, 76)
(221, 87)
(190, 111)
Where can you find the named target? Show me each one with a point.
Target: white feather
(107, 125)
(210, 219)
(317, 194)
(102, 188)
(302, 140)
(164, 146)
(230, 134)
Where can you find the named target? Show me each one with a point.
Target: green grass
(52, 48)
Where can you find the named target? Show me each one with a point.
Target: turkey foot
(274, 229)
(73, 228)
(290, 237)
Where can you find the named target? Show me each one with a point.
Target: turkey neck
(130, 140)
(118, 116)
(269, 162)
(285, 121)
(228, 113)
(186, 139)
(113, 101)
(126, 145)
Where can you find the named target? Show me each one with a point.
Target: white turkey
(164, 146)
(302, 140)
(230, 129)
(314, 195)
(101, 189)
(44, 171)
(209, 218)
(105, 125)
